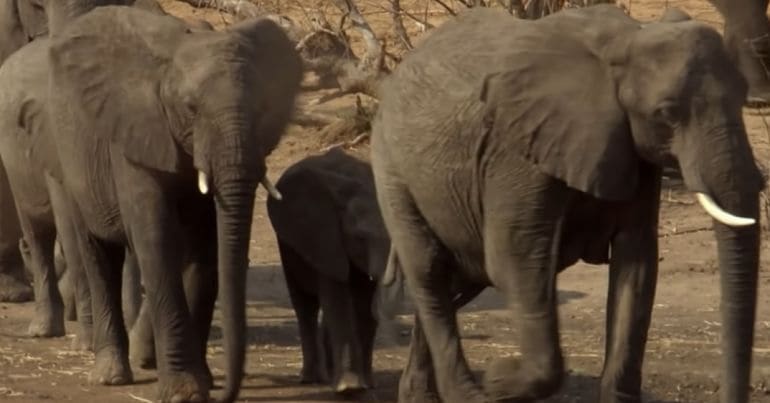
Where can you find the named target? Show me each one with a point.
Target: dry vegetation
(350, 44)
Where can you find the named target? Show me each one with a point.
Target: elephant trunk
(738, 251)
(722, 169)
(234, 206)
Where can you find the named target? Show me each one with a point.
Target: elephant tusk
(271, 190)
(713, 209)
(203, 182)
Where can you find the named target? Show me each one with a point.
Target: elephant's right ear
(559, 106)
(109, 66)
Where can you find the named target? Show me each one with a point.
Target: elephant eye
(668, 113)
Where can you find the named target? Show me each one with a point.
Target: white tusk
(203, 182)
(271, 190)
(720, 215)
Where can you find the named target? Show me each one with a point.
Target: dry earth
(682, 357)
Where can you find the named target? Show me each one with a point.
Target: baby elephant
(334, 248)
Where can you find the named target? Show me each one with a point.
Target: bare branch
(398, 24)
(240, 8)
(447, 8)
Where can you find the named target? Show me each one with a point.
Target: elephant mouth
(714, 210)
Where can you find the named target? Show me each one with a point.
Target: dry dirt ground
(682, 356)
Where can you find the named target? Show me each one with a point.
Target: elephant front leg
(630, 299)
(70, 258)
(633, 273)
(340, 320)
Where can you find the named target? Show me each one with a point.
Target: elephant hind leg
(37, 248)
(339, 316)
(363, 298)
(306, 307)
(74, 280)
(426, 266)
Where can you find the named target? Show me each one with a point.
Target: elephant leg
(155, 233)
(522, 233)
(14, 285)
(37, 248)
(74, 271)
(425, 265)
(339, 316)
(306, 308)
(141, 340)
(363, 299)
(747, 36)
(200, 279)
(630, 298)
(66, 283)
(132, 290)
(418, 380)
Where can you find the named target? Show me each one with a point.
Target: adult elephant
(20, 22)
(163, 134)
(333, 256)
(494, 167)
(747, 36)
(28, 154)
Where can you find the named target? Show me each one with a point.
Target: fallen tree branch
(241, 9)
(347, 144)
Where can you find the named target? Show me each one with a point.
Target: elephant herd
(503, 151)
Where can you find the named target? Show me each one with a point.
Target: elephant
(747, 37)
(162, 134)
(494, 168)
(20, 22)
(333, 255)
(34, 200)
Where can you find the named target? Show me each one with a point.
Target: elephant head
(657, 93)
(179, 101)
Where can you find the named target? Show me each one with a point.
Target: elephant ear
(110, 64)
(306, 219)
(557, 100)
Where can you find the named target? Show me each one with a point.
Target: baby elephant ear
(108, 67)
(565, 120)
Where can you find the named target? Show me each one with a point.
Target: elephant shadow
(268, 302)
(577, 388)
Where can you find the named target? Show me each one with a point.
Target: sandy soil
(682, 358)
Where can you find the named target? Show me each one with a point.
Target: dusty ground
(682, 358)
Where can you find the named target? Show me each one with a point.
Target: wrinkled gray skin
(26, 149)
(143, 104)
(747, 36)
(20, 22)
(493, 168)
(333, 251)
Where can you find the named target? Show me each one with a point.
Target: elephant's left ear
(561, 110)
(109, 66)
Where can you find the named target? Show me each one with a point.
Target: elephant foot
(612, 395)
(12, 289)
(349, 383)
(510, 380)
(313, 374)
(111, 368)
(417, 388)
(181, 387)
(48, 322)
(83, 338)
